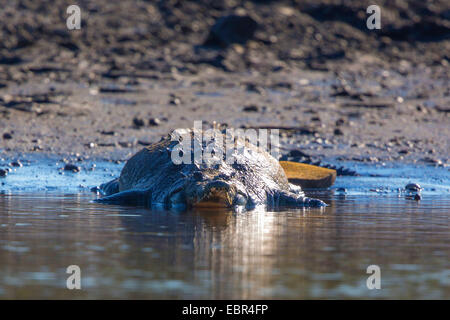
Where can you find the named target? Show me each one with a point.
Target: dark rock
(431, 160)
(154, 122)
(125, 144)
(72, 167)
(344, 91)
(282, 85)
(108, 133)
(338, 132)
(10, 60)
(252, 87)
(346, 172)
(105, 144)
(3, 173)
(251, 108)
(7, 136)
(417, 197)
(231, 29)
(115, 89)
(138, 122)
(47, 69)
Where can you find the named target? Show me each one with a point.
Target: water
(48, 222)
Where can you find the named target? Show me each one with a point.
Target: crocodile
(255, 178)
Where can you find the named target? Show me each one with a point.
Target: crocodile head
(210, 189)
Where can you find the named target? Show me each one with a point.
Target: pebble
(251, 108)
(338, 132)
(175, 101)
(231, 29)
(432, 160)
(138, 122)
(7, 136)
(154, 122)
(71, 167)
(108, 133)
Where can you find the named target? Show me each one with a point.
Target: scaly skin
(151, 178)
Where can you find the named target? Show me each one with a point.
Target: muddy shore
(137, 70)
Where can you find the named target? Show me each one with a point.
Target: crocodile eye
(240, 200)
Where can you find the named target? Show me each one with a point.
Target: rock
(138, 122)
(72, 167)
(417, 197)
(175, 101)
(338, 132)
(154, 122)
(415, 187)
(432, 160)
(231, 29)
(108, 133)
(346, 172)
(250, 108)
(10, 60)
(7, 136)
(252, 87)
(3, 173)
(125, 144)
(16, 164)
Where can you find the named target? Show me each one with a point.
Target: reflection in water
(127, 252)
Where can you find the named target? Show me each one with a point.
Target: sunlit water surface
(48, 222)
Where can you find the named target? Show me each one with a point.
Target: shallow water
(48, 222)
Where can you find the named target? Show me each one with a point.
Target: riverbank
(337, 90)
